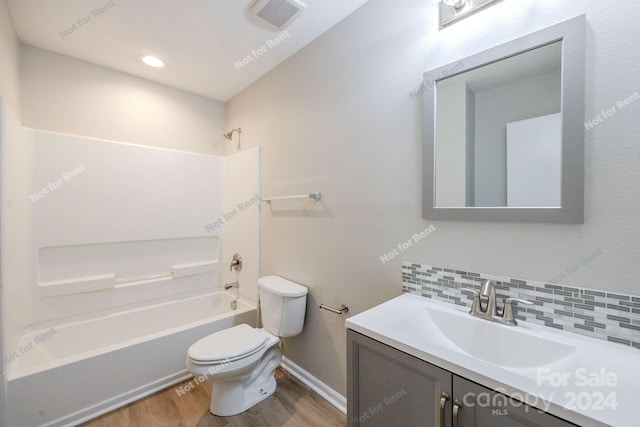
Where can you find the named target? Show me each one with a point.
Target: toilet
(241, 361)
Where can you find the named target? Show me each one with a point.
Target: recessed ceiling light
(152, 61)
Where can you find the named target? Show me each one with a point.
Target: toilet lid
(228, 345)
(282, 287)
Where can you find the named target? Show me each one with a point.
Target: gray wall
(494, 109)
(67, 95)
(338, 117)
(452, 142)
(470, 128)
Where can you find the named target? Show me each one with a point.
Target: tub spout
(228, 286)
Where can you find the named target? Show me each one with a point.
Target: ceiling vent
(278, 13)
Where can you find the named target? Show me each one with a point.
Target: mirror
(504, 133)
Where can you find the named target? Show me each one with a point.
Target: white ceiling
(200, 40)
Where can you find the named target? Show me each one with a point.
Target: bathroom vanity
(413, 361)
(395, 388)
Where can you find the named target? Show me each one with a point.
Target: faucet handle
(520, 300)
(236, 263)
(507, 311)
(475, 306)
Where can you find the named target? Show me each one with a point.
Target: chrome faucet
(488, 292)
(490, 312)
(228, 286)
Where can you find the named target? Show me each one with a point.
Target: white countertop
(599, 384)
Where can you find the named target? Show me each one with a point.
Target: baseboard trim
(330, 395)
(326, 392)
(121, 400)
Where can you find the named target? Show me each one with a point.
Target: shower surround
(108, 264)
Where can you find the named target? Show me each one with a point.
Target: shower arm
(229, 136)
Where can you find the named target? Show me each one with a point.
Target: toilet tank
(282, 305)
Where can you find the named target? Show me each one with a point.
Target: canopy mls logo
(256, 53)
(85, 20)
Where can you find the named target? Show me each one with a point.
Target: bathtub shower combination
(122, 276)
(91, 367)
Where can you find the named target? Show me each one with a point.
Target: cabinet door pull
(457, 405)
(444, 398)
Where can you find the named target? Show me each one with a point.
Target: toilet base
(236, 396)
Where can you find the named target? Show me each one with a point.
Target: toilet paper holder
(343, 309)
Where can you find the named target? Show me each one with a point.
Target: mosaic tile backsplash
(605, 315)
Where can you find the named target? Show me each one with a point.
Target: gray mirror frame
(572, 34)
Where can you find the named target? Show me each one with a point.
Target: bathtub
(72, 372)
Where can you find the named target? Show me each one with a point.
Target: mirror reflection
(498, 133)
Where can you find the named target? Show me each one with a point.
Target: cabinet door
(482, 407)
(389, 388)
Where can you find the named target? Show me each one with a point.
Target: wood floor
(292, 405)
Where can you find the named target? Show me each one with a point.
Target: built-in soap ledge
(177, 271)
(90, 267)
(192, 269)
(104, 282)
(78, 285)
(143, 278)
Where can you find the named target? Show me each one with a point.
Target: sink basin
(506, 346)
(452, 328)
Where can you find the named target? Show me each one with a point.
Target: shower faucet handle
(236, 263)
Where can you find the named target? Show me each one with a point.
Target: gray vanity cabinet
(483, 407)
(389, 388)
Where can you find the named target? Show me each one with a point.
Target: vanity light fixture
(152, 61)
(453, 10)
(229, 135)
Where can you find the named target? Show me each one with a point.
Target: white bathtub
(77, 371)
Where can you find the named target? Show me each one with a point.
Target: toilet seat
(227, 345)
